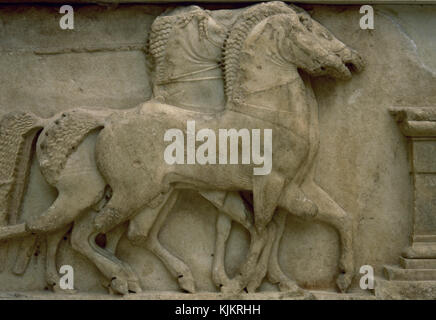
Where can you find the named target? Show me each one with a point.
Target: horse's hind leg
(123, 278)
(230, 207)
(331, 213)
(267, 191)
(79, 188)
(64, 210)
(51, 273)
(110, 242)
(114, 237)
(176, 266)
(223, 227)
(123, 204)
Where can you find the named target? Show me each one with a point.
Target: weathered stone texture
(362, 164)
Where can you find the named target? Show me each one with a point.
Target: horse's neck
(264, 77)
(271, 87)
(313, 134)
(272, 90)
(191, 77)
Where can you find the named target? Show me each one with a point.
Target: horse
(183, 24)
(330, 213)
(347, 56)
(135, 171)
(182, 74)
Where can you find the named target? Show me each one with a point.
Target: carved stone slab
(87, 116)
(419, 260)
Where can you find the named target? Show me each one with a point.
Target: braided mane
(239, 32)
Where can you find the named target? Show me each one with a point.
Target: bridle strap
(276, 117)
(184, 77)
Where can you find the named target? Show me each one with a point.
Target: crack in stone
(410, 40)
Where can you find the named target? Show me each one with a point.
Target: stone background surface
(362, 161)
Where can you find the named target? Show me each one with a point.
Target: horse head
(313, 48)
(186, 48)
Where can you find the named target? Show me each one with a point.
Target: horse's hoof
(300, 294)
(53, 283)
(134, 287)
(292, 289)
(230, 290)
(186, 283)
(253, 285)
(308, 295)
(344, 281)
(119, 286)
(232, 287)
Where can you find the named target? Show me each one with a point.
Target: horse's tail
(58, 139)
(62, 136)
(17, 135)
(18, 132)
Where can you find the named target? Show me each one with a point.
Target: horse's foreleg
(176, 266)
(331, 213)
(275, 273)
(233, 205)
(141, 224)
(248, 268)
(267, 191)
(262, 265)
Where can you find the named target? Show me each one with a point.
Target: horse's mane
(239, 32)
(163, 25)
(161, 31)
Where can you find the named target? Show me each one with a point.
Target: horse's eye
(306, 22)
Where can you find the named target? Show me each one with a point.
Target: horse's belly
(131, 148)
(213, 177)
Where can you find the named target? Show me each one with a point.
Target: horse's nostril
(351, 66)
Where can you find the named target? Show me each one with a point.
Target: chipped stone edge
(416, 121)
(158, 295)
